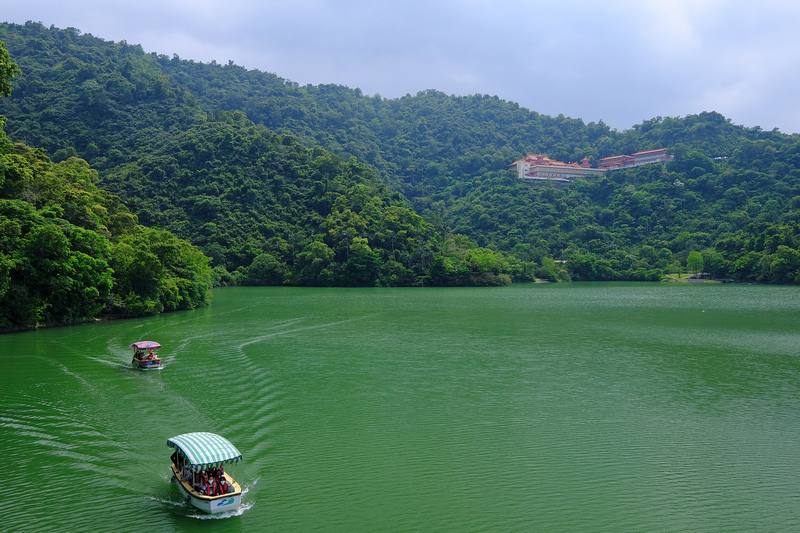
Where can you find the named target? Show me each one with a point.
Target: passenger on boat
(203, 484)
(186, 474)
(212, 487)
(222, 485)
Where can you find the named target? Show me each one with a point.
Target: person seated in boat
(222, 485)
(212, 487)
(203, 488)
(186, 474)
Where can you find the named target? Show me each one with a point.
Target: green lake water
(563, 407)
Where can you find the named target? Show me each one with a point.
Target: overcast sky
(619, 61)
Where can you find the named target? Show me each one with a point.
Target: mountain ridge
(729, 188)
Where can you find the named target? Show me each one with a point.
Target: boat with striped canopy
(197, 463)
(143, 355)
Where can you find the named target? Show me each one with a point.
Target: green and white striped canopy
(205, 450)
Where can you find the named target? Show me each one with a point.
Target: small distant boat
(143, 355)
(198, 458)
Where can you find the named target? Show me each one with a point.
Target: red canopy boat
(143, 355)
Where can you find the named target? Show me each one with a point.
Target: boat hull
(209, 504)
(147, 364)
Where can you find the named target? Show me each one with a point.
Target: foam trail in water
(74, 375)
(110, 363)
(179, 503)
(289, 331)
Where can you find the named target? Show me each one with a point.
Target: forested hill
(272, 211)
(732, 193)
(99, 98)
(70, 252)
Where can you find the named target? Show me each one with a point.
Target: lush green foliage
(268, 210)
(70, 251)
(271, 207)
(80, 95)
(740, 213)
(8, 70)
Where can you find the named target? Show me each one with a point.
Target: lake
(557, 407)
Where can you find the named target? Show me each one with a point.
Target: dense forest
(269, 210)
(278, 183)
(70, 251)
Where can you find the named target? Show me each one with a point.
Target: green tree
(315, 262)
(362, 268)
(8, 70)
(694, 262)
(265, 270)
(137, 277)
(583, 267)
(785, 266)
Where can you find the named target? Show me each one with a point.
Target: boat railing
(237, 489)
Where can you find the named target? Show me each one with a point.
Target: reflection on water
(603, 407)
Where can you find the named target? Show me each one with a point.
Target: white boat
(199, 454)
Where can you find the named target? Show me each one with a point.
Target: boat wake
(246, 488)
(74, 375)
(176, 503)
(109, 363)
(282, 332)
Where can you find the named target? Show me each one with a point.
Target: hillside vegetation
(323, 185)
(270, 211)
(70, 252)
